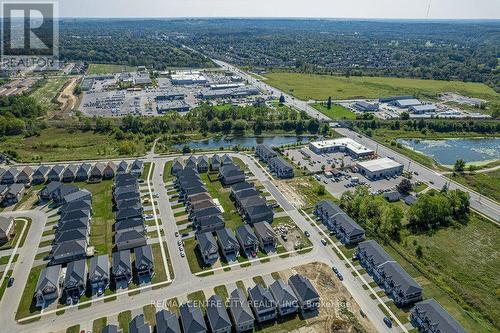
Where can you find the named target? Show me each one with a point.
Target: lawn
(320, 87)
(4, 284)
(149, 315)
(198, 298)
(167, 175)
(160, 273)
(147, 167)
(124, 319)
(460, 269)
(217, 191)
(101, 232)
(18, 228)
(27, 305)
(337, 112)
(73, 329)
(96, 69)
(99, 324)
(488, 183)
(59, 144)
(193, 256)
(222, 292)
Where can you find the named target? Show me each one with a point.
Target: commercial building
(380, 168)
(171, 105)
(365, 106)
(189, 77)
(344, 145)
(406, 103)
(423, 109)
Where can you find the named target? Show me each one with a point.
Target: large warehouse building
(346, 145)
(380, 168)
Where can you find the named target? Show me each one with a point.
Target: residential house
(71, 235)
(128, 213)
(109, 170)
(231, 174)
(307, 296)
(217, 316)
(205, 213)
(286, 301)
(430, 317)
(10, 176)
(48, 287)
(371, 256)
(122, 268)
(265, 153)
(255, 211)
(266, 236)
(40, 175)
(126, 196)
(240, 187)
(410, 199)
(167, 322)
(392, 196)
(7, 229)
(83, 172)
(215, 163)
(138, 325)
(213, 223)
(137, 168)
(14, 194)
(83, 223)
(25, 176)
(135, 222)
(3, 191)
(144, 264)
(69, 174)
(80, 195)
(110, 329)
(177, 166)
(228, 244)
(399, 285)
(74, 215)
(208, 248)
(241, 314)
(55, 174)
(191, 162)
(134, 203)
(99, 274)
(262, 303)
(129, 239)
(68, 251)
(76, 205)
(192, 319)
(248, 240)
(197, 198)
(280, 167)
(192, 191)
(75, 281)
(122, 168)
(48, 191)
(241, 195)
(202, 164)
(97, 171)
(226, 160)
(62, 191)
(200, 205)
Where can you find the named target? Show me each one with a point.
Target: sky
(384, 9)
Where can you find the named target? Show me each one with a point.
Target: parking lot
(314, 162)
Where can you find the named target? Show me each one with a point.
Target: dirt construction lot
(338, 312)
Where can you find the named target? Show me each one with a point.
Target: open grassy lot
(95, 69)
(460, 269)
(58, 144)
(147, 167)
(193, 256)
(101, 233)
(308, 189)
(48, 91)
(26, 306)
(73, 329)
(99, 324)
(167, 175)
(160, 273)
(198, 298)
(217, 191)
(488, 183)
(222, 292)
(319, 87)
(336, 112)
(149, 314)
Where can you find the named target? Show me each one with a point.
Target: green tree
(329, 103)
(404, 186)
(459, 165)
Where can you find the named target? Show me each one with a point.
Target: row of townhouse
(277, 165)
(338, 222)
(239, 313)
(130, 233)
(201, 163)
(251, 205)
(68, 173)
(69, 246)
(388, 274)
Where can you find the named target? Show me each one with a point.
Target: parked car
(340, 276)
(307, 233)
(182, 255)
(11, 282)
(176, 234)
(323, 241)
(335, 270)
(388, 322)
(284, 237)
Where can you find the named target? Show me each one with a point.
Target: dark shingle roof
(167, 322)
(239, 308)
(192, 319)
(305, 290)
(217, 314)
(439, 319)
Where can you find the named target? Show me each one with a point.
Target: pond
(447, 151)
(249, 141)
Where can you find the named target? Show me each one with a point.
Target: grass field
(488, 183)
(307, 187)
(57, 144)
(48, 91)
(99, 324)
(95, 69)
(337, 112)
(26, 305)
(222, 292)
(198, 298)
(320, 87)
(460, 269)
(124, 319)
(101, 233)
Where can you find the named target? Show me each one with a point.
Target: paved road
(184, 282)
(478, 202)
